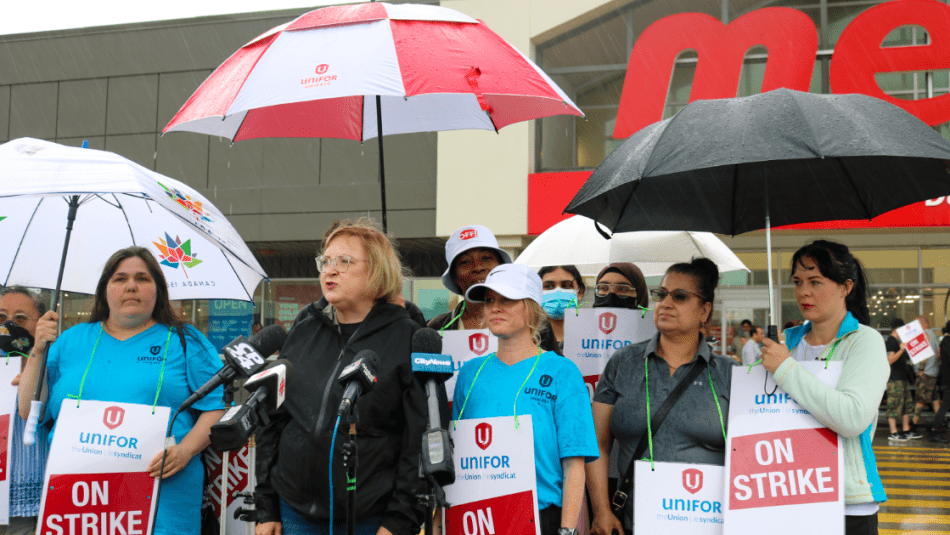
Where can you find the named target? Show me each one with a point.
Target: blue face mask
(555, 301)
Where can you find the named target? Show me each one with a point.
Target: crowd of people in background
(363, 308)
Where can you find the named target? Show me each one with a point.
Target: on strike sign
(918, 348)
(783, 467)
(464, 346)
(678, 498)
(9, 368)
(96, 480)
(495, 489)
(591, 336)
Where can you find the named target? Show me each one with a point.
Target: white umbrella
(576, 241)
(121, 204)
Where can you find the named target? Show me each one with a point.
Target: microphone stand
(349, 465)
(229, 390)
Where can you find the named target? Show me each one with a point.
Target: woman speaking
(98, 360)
(360, 275)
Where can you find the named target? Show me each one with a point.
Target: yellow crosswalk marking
(916, 503)
(896, 464)
(911, 473)
(918, 492)
(911, 532)
(902, 518)
(921, 482)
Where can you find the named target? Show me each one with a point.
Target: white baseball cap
(514, 281)
(463, 239)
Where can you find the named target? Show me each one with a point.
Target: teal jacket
(851, 409)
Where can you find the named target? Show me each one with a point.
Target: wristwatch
(566, 531)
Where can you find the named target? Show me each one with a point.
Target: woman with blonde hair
(360, 275)
(492, 386)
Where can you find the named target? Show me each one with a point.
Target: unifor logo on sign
(478, 343)
(113, 416)
(483, 435)
(692, 480)
(322, 68)
(607, 322)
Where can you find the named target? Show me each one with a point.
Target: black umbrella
(783, 157)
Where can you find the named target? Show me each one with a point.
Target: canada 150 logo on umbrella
(186, 201)
(173, 252)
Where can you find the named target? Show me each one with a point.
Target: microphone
(359, 378)
(432, 368)
(268, 391)
(242, 358)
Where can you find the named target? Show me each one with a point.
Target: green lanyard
(827, 360)
(161, 376)
(646, 376)
(449, 324)
(468, 394)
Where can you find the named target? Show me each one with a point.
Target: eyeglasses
(679, 295)
(620, 289)
(340, 263)
(19, 319)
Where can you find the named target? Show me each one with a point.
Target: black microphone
(268, 389)
(359, 378)
(432, 368)
(242, 358)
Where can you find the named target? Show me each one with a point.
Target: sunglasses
(679, 295)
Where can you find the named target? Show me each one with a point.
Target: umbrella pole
(382, 167)
(36, 408)
(772, 329)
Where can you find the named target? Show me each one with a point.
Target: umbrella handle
(601, 231)
(29, 431)
(772, 333)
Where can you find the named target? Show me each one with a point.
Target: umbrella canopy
(433, 67)
(719, 165)
(783, 157)
(576, 241)
(121, 204)
(346, 71)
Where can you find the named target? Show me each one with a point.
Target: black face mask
(15, 339)
(613, 300)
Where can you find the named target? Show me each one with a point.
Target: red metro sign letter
(788, 34)
(859, 55)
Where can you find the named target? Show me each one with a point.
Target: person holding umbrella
(491, 385)
(831, 291)
(131, 315)
(692, 432)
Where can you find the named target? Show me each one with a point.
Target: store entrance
(737, 304)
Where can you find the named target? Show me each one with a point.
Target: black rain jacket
(293, 451)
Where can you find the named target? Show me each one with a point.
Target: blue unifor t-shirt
(556, 398)
(129, 371)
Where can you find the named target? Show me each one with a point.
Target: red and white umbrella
(424, 68)
(433, 67)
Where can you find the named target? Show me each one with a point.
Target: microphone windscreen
(427, 340)
(369, 358)
(269, 339)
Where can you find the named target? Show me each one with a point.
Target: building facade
(118, 86)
